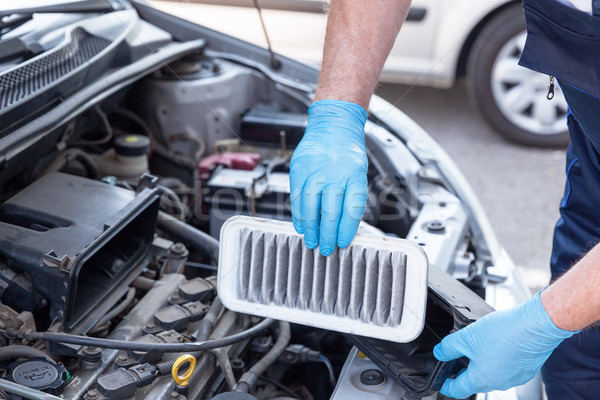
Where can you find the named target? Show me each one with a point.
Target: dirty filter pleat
(360, 283)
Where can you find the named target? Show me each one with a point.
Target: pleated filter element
(376, 287)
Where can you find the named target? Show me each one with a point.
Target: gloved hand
(505, 348)
(328, 175)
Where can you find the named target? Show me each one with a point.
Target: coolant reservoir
(128, 159)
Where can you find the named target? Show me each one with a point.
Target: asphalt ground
(520, 187)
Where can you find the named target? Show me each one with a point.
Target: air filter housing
(376, 287)
(80, 242)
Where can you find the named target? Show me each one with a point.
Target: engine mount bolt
(178, 248)
(91, 354)
(435, 225)
(372, 377)
(91, 350)
(237, 363)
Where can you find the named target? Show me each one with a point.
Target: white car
(442, 41)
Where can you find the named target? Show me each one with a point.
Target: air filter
(376, 287)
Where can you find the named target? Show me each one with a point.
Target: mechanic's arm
(328, 172)
(360, 36)
(508, 348)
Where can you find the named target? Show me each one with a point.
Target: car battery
(232, 192)
(264, 127)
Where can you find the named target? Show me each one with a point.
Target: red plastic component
(243, 161)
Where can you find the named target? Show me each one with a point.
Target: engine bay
(113, 194)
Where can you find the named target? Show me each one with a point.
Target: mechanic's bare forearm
(360, 36)
(573, 301)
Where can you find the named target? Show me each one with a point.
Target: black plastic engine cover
(80, 241)
(450, 307)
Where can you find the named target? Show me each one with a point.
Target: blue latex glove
(505, 348)
(328, 175)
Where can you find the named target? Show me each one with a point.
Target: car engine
(127, 138)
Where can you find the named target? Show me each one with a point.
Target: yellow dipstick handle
(183, 380)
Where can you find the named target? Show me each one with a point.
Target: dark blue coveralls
(565, 43)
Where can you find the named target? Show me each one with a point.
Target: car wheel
(510, 97)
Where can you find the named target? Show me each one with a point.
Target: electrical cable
(327, 363)
(138, 120)
(201, 145)
(280, 386)
(249, 378)
(141, 346)
(202, 333)
(301, 353)
(107, 128)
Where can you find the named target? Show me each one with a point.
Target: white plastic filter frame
(415, 283)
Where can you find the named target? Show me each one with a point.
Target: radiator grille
(360, 283)
(25, 81)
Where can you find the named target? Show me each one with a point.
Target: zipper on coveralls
(550, 92)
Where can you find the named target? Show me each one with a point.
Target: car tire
(512, 98)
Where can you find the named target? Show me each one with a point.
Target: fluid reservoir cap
(39, 374)
(132, 145)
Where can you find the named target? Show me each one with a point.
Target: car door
(296, 28)
(410, 58)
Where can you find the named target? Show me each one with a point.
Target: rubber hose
(248, 380)
(208, 322)
(143, 283)
(118, 309)
(68, 156)
(141, 346)
(17, 351)
(189, 235)
(88, 164)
